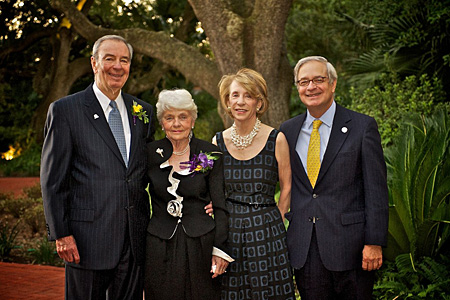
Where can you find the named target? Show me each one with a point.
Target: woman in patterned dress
(256, 157)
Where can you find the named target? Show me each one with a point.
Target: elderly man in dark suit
(339, 205)
(93, 178)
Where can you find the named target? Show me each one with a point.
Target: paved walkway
(31, 282)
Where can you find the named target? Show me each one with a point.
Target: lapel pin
(344, 129)
(160, 152)
(96, 117)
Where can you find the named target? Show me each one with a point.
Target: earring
(192, 127)
(257, 109)
(229, 109)
(162, 128)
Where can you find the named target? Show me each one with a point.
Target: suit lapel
(128, 100)
(339, 133)
(94, 112)
(293, 135)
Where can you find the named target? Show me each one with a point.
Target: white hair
(97, 44)
(179, 99)
(332, 74)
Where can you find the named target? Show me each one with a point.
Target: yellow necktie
(313, 160)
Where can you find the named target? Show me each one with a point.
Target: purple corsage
(201, 163)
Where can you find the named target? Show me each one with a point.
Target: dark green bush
(34, 217)
(27, 164)
(392, 98)
(7, 239)
(45, 253)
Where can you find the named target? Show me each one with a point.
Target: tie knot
(113, 104)
(316, 124)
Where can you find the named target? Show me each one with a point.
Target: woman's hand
(218, 266)
(209, 209)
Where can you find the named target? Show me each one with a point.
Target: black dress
(179, 248)
(257, 236)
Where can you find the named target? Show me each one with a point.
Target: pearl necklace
(181, 152)
(242, 142)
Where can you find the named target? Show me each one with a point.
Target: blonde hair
(179, 99)
(251, 81)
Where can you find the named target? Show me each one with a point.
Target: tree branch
(25, 43)
(188, 60)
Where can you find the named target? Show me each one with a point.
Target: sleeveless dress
(257, 235)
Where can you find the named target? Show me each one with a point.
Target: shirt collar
(104, 100)
(326, 118)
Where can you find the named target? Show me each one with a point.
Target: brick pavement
(31, 282)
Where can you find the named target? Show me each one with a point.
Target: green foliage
(392, 98)
(419, 187)
(27, 164)
(17, 207)
(413, 42)
(7, 239)
(34, 191)
(427, 278)
(34, 216)
(45, 253)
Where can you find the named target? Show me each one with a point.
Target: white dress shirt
(104, 102)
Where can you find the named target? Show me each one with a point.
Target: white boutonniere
(160, 152)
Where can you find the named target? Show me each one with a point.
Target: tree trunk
(62, 75)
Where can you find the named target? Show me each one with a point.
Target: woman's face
(177, 124)
(243, 105)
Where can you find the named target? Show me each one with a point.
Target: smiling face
(243, 105)
(316, 97)
(177, 124)
(111, 67)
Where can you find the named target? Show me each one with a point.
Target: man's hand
(209, 209)
(67, 249)
(372, 257)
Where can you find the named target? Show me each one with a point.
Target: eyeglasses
(316, 80)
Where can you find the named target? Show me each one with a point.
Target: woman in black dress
(256, 157)
(186, 248)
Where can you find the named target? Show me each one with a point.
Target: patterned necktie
(115, 123)
(313, 160)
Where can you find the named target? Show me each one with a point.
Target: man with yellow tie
(339, 203)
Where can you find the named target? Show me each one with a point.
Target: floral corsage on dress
(201, 163)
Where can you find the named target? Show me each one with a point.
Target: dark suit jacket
(197, 191)
(88, 191)
(350, 199)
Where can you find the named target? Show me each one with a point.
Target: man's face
(112, 67)
(317, 97)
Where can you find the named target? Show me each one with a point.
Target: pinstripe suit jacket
(350, 199)
(88, 191)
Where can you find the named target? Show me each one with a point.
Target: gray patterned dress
(257, 236)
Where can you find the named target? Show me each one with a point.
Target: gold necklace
(242, 142)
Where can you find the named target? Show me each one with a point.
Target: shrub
(419, 187)
(45, 253)
(34, 217)
(17, 207)
(427, 278)
(7, 238)
(392, 99)
(33, 192)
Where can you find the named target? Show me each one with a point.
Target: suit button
(315, 196)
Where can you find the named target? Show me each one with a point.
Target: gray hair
(107, 38)
(179, 99)
(332, 74)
